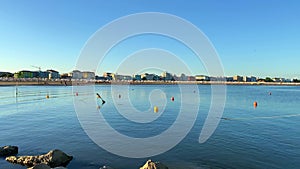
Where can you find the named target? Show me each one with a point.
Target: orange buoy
(172, 98)
(255, 104)
(155, 109)
(47, 96)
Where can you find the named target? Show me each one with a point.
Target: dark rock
(54, 158)
(106, 167)
(153, 165)
(41, 166)
(45, 166)
(8, 151)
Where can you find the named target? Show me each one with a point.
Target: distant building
(183, 77)
(122, 77)
(253, 79)
(237, 78)
(246, 79)
(137, 77)
(147, 76)
(288, 80)
(218, 78)
(229, 79)
(109, 76)
(127, 77)
(156, 77)
(117, 77)
(88, 75)
(100, 78)
(23, 74)
(249, 79)
(6, 74)
(42, 74)
(166, 76)
(65, 76)
(191, 78)
(176, 78)
(261, 80)
(202, 78)
(279, 79)
(76, 74)
(276, 79)
(53, 74)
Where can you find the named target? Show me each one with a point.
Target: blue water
(265, 137)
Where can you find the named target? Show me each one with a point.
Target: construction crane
(36, 67)
(39, 74)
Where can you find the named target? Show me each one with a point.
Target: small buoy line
(31, 94)
(255, 104)
(28, 96)
(262, 117)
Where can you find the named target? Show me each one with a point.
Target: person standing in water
(98, 95)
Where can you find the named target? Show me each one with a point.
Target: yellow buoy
(155, 109)
(47, 96)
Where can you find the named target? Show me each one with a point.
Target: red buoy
(172, 98)
(255, 104)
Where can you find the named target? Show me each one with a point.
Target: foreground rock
(41, 166)
(8, 151)
(106, 167)
(154, 165)
(54, 158)
(45, 166)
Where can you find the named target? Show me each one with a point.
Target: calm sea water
(265, 137)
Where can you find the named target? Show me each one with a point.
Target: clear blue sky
(254, 37)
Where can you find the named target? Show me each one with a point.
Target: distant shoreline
(73, 83)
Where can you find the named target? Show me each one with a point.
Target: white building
(76, 74)
(183, 77)
(166, 76)
(88, 75)
(53, 74)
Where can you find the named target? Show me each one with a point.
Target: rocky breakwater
(54, 158)
(148, 165)
(8, 151)
(153, 165)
